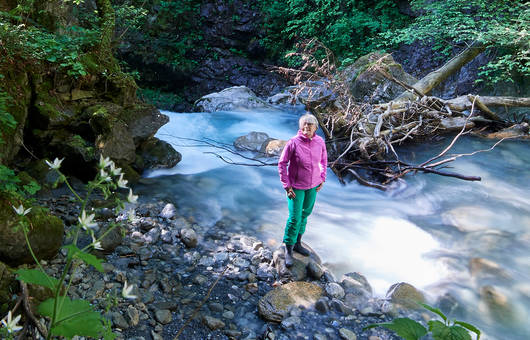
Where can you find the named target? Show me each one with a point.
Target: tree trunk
(462, 103)
(107, 16)
(430, 81)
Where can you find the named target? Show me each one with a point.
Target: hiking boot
(289, 255)
(299, 248)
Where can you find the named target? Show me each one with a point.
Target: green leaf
(89, 259)
(75, 317)
(470, 327)
(435, 310)
(442, 332)
(35, 276)
(406, 328)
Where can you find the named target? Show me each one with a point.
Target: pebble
(322, 305)
(134, 315)
(228, 315)
(290, 322)
(315, 270)
(213, 323)
(346, 334)
(163, 316)
(189, 237)
(119, 320)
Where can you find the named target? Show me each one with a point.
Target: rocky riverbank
(230, 285)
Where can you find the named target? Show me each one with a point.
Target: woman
(302, 169)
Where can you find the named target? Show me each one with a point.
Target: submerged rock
(275, 304)
(236, 98)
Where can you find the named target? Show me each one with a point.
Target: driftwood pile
(363, 136)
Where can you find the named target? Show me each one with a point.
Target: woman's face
(308, 129)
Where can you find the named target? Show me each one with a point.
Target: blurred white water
(425, 231)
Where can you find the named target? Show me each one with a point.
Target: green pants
(299, 209)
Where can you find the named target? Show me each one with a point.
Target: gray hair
(309, 118)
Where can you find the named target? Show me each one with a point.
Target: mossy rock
(276, 303)
(405, 295)
(158, 154)
(45, 234)
(366, 83)
(7, 287)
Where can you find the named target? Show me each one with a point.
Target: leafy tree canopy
(500, 25)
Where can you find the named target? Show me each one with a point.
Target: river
(470, 240)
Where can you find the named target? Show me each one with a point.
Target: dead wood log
(430, 81)
(463, 103)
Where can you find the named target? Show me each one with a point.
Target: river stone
(119, 320)
(163, 316)
(405, 295)
(236, 98)
(272, 147)
(143, 121)
(346, 334)
(334, 290)
(315, 270)
(189, 237)
(168, 211)
(158, 154)
(13, 249)
(275, 304)
(356, 284)
(112, 239)
(212, 323)
(134, 315)
(291, 321)
(251, 141)
(498, 305)
(480, 267)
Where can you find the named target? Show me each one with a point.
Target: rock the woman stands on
(302, 169)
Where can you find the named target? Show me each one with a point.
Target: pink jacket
(307, 159)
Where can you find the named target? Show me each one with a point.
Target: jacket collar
(304, 137)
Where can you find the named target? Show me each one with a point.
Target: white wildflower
(96, 244)
(122, 183)
(132, 198)
(114, 171)
(126, 291)
(11, 324)
(87, 221)
(56, 163)
(104, 162)
(20, 210)
(104, 176)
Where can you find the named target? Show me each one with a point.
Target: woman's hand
(290, 193)
(320, 186)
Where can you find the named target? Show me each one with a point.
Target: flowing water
(467, 241)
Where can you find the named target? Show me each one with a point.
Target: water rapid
(460, 241)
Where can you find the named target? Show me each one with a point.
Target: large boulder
(367, 84)
(45, 235)
(251, 141)
(236, 98)
(276, 303)
(158, 154)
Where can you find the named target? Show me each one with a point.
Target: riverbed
(470, 240)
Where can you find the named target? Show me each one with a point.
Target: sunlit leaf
(406, 328)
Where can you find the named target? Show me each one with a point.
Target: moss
(7, 287)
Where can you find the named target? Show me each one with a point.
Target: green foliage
(409, 329)
(347, 27)
(67, 317)
(7, 121)
(35, 44)
(37, 277)
(75, 317)
(170, 38)
(162, 100)
(499, 24)
(12, 185)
